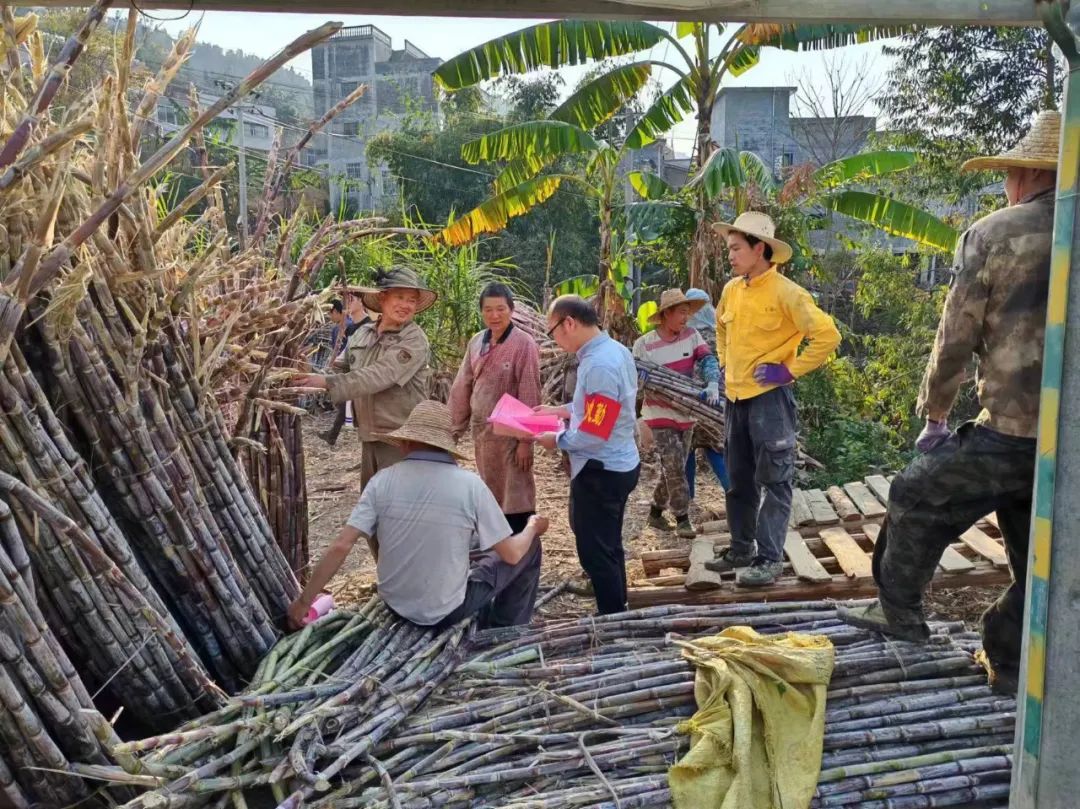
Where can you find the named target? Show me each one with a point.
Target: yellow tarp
(757, 735)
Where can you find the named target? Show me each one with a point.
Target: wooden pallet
(829, 549)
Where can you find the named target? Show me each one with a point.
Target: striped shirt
(680, 355)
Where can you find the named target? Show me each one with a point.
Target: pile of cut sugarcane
(365, 710)
(140, 565)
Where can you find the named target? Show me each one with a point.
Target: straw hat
(395, 278)
(1038, 149)
(429, 423)
(760, 226)
(669, 299)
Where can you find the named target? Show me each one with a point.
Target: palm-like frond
(530, 140)
(894, 217)
(548, 45)
(604, 96)
(492, 216)
(668, 110)
(819, 36)
(649, 186)
(855, 167)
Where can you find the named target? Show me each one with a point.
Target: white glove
(712, 393)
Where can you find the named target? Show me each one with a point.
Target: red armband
(601, 413)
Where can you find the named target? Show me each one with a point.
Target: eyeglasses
(553, 329)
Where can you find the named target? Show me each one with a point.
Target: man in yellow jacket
(761, 321)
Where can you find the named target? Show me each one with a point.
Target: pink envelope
(514, 418)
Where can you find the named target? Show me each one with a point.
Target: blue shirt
(605, 367)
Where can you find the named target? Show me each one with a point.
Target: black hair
(752, 240)
(497, 290)
(576, 307)
(337, 306)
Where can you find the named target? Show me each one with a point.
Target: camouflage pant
(672, 446)
(939, 496)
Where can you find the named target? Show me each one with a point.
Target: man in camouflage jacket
(995, 311)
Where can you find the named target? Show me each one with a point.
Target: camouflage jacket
(996, 311)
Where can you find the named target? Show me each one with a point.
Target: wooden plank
(713, 527)
(800, 510)
(790, 588)
(843, 505)
(993, 520)
(699, 577)
(851, 558)
(864, 499)
(820, 509)
(880, 486)
(988, 548)
(804, 563)
(952, 561)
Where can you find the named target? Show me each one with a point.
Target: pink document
(514, 418)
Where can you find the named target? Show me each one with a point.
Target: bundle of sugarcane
(117, 426)
(362, 710)
(681, 392)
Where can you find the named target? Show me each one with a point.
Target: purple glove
(933, 434)
(773, 374)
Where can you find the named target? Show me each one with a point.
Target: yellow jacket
(764, 321)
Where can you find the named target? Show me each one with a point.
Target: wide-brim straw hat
(761, 227)
(1038, 149)
(669, 299)
(430, 424)
(396, 278)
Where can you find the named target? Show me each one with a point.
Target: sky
(262, 34)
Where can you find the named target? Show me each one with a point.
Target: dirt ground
(334, 487)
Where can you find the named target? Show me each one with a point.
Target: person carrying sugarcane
(384, 368)
(420, 518)
(706, 437)
(499, 360)
(995, 311)
(761, 320)
(679, 348)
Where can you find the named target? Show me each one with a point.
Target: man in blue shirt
(601, 443)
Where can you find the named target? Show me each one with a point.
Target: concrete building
(398, 82)
(259, 119)
(759, 120)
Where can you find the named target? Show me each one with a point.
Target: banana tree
(527, 149)
(733, 179)
(699, 71)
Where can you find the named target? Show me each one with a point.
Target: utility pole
(241, 145)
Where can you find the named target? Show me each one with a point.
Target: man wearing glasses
(600, 440)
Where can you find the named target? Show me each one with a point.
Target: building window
(318, 64)
(348, 87)
(256, 130)
(354, 171)
(166, 114)
(350, 129)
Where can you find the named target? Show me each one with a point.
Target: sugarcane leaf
(649, 185)
(584, 286)
(894, 217)
(669, 109)
(604, 96)
(644, 312)
(723, 170)
(492, 215)
(532, 139)
(548, 45)
(650, 221)
(861, 166)
(757, 172)
(742, 59)
(804, 37)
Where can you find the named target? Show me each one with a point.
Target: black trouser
(935, 499)
(597, 506)
(339, 422)
(499, 593)
(759, 449)
(519, 521)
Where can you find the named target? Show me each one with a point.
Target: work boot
(761, 573)
(683, 527)
(729, 560)
(873, 617)
(656, 520)
(1002, 679)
